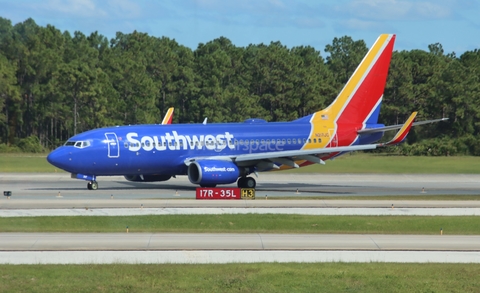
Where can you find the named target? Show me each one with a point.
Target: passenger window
(314, 140)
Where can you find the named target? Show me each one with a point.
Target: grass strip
(10, 163)
(262, 277)
(250, 223)
(363, 163)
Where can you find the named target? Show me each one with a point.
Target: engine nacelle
(211, 172)
(147, 178)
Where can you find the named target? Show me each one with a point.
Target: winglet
(168, 116)
(402, 133)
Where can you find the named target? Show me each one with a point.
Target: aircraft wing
(402, 133)
(284, 157)
(168, 116)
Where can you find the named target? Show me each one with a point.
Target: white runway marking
(223, 211)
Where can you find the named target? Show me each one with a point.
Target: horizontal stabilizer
(398, 126)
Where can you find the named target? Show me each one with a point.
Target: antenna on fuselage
(205, 121)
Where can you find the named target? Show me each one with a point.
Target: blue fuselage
(163, 149)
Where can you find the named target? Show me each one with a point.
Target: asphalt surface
(47, 186)
(33, 192)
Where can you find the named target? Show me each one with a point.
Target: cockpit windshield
(78, 144)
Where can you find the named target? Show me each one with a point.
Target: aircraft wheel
(250, 182)
(241, 182)
(94, 185)
(89, 185)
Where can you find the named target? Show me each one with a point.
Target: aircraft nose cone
(58, 158)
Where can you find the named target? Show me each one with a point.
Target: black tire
(89, 185)
(241, 182)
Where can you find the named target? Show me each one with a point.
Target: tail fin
(360, 99)
(358, 104)
(168, 116)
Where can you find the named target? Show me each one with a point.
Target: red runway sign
(225, 193)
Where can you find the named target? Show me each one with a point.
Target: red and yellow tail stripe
(402, 133)
(168, 117)
(337, 124)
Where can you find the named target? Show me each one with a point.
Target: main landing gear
(246, 182)
(92, 185)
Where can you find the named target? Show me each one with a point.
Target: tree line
(54, 84)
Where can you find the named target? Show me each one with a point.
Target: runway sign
(225, 193)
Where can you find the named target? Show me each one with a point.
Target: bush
(9, 149)
(30, 144)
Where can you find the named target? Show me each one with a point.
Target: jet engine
(212, 172)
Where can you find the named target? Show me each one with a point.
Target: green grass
(26, 163)
(252, 223)
(261, 277)
(378, 164)
(354, 163)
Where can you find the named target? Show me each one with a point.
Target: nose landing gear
(92, 185)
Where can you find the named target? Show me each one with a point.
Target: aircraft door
(113, 146)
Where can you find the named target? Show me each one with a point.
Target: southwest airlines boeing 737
(224, 153)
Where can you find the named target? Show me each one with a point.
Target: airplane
(223, 153)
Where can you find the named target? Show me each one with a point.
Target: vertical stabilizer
(359, 101)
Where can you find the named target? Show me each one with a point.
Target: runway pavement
(59, 191)
(56, 192)
(47, 186)
(141, 248)
(237, 256)
(208, 241)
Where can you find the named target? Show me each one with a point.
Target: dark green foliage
(54, 84)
